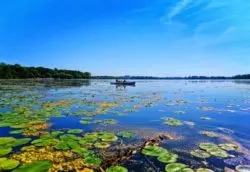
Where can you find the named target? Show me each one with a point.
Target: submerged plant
(204, 170)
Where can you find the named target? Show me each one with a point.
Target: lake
(157, 125)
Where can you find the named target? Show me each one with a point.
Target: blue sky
(134, 37)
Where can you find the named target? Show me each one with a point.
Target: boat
(123, 83)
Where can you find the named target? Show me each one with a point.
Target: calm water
(221, 107)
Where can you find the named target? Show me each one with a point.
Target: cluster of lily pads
(175, 122)
(208, 149)
(170, 159)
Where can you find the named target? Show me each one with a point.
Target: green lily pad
(204, 170)
(200, 153)
(206, 146)
(9, 164)
(36, 166)
(75, 131)
(16, 132)
(218, 152)
(173, 122)
(62, 146)
(102, 145)
(117, 169)
(5, 150)
(107, 137)
(175, 167)
(91, 160)
(6, 140)
(19, 142)
(153, 150)
(126, 134)
(168, 157)
(228, 146)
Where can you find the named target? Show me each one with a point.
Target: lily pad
(117, 169)
(168, 157)
(206, 146)
(5, 150)
(75, 131)
(37, 166)
(19, 142)
(102, 145)
(175, 167)
(204, 170)
(218, 152)
(173, 122)
(228, 146)
(91, 160)
(126, 134)
(6, 140)
(16, 132)
(243, 168)
(209, 133)
(200, 153)
(153, 150)
(9, 164)
(107, 137)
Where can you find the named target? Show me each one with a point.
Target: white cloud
(180, 6)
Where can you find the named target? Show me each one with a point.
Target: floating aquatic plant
(177, 167)
(209, 133)
(5, 150)
(153, 150)
(102, 145)
(117, 168)
(213, 149)
(37, 166)
(243, 168)
(75, 131)
(126, 134)
(200, 153)
(204, 170)
(8, 164)
(167, 157)
(228, 146)
(172, 122)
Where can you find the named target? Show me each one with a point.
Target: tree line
(17, 71)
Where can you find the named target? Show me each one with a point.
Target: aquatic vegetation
(204, 170)
(214, 149)
(200, 153)
(116, 169)
(37, 166)
(177, 167)
(167, 157)
(153, 150)
(102, 145)
(107, 105)
(243, 168)
(126, 134)
(209, 133)
(107, 136)
(8, 164)
(228, 146)
(5, 150)
(172, 122)
(75, 131)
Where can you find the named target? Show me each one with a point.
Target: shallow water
(141, 109)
